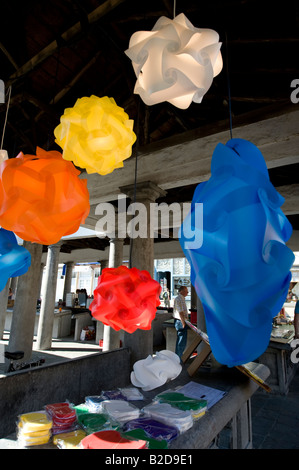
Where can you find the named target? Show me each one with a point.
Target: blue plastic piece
(14, 259)
(240, 265)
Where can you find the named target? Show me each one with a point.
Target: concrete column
(46, 318)
(116, 252)
(142, 257)
(24, 312)
(99, 324)
(14, 284)
(41, 279)
(111, 337)
(3, 306)
(68, 279)
(104, 264)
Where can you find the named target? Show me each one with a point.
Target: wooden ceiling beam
(242, 42)
(70, 85)
(93, 17)
(9, 56)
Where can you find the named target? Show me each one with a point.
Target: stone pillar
(41, 279)
(111, 337)
(104, 264)
(24, 312)
(142, 257)
(99, 324)
(14, 284)
(68, 279)
(116, 252)
(46, 318)
(3, 306)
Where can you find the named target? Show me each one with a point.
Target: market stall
(278, 357)
(226, 391)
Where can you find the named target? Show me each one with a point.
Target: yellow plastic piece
(36, 421)
(69, 440)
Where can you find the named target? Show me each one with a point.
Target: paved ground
(275, 418)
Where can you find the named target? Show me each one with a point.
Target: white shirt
(179, 305)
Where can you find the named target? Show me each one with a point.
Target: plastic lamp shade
(126, 299)
(14, 259)
(174, 62)
(41, 197)
(96, 134)
(241, 271)
(3, 156)
(156, 370)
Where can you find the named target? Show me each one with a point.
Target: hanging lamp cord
(5, 120)
(228, 90)
(136, 172)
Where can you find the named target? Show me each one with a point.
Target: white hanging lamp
(3, 155)
(174, 62)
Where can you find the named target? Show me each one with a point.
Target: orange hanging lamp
(41, 197)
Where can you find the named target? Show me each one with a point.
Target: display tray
(282, 335)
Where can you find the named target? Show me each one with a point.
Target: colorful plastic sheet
(141, 434)
(241, 270)
(174, 62)
(119, 411)
(96, 134)
(153, 428)
(93, 403)
(69, 440)
(64, 418)
(111, 440)
(132, 393)
(181, 419)
(81, 409)
(41, 197)
(181, 401)
(14, 259)
(93, 422)
(33, 429)
(113, 395)
(126, 299)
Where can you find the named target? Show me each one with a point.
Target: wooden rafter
(93, 17)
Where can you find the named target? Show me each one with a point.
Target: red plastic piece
(61, 415)
(110, 440)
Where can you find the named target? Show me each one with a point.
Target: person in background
(180, 314)
(11, 295)
(166, 298)
(296, 320)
